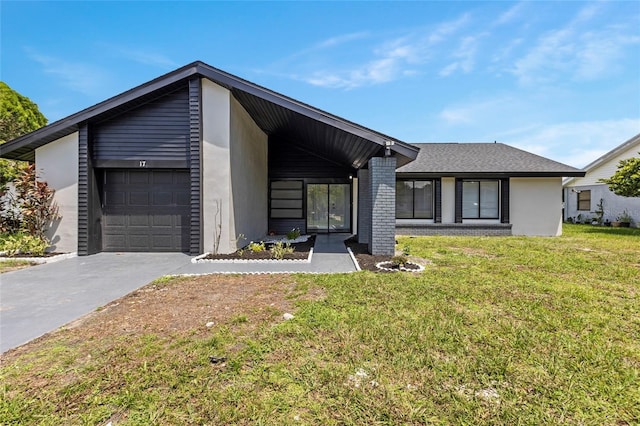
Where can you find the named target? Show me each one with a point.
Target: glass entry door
(328, 207)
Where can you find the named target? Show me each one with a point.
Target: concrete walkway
(40, 299)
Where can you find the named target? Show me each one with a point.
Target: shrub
(31, 209)
(280, 249)
(35, 200)
(293, 234)
(399, 261)
(22, 243)
(257, 247)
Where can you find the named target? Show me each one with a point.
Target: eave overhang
(276, 114)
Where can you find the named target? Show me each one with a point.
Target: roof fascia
(577, 173)
(609, 155)
(230, 80)
(71, 122)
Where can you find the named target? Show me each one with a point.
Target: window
(286, 199)
(480, 199)
(414, 199)
(584, 200)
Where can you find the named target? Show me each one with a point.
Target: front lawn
(499, 330)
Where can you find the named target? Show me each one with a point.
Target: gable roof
(273, 112)
(483, 159)
(615, 152)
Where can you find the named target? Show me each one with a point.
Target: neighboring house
(198, 158)
(583, 194)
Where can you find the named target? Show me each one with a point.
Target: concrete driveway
(39, 299)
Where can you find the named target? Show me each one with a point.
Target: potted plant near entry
(622, 221)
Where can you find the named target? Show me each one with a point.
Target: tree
(18, 116)
(626, 180)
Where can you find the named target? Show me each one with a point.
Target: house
(479, 189)
(582, 194)
(198, 159)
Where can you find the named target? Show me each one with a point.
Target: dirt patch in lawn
(300, 252)
(181, 306)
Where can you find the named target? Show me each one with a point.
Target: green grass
(13, 264)
(497, 330)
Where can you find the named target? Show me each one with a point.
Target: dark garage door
(146, 210)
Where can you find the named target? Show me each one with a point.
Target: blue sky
(560, 79)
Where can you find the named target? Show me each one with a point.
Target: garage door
(146, 210)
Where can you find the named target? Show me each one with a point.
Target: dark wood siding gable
(158, 130)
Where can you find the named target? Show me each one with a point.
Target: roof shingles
(453, 159)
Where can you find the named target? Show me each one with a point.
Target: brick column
(382, 176)
(364, 206)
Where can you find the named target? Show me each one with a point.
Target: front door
(328, 207)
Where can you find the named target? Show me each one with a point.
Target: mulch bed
(300, 252)
(366, 261)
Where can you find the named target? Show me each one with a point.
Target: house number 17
(143, 163)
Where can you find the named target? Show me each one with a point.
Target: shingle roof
(465, 159)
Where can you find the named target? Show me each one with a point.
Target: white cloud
(576, 50)
(465, 56)
(145, 57)
(387, 61)
(81, 77)
(341, 39)
(575, 143)
(511, 14)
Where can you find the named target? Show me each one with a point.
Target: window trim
(413, 198)
(479, 217)
(578, 200)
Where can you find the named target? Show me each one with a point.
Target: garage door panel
(183, 199)
(115, 198)
(138, 177)
(146, 210)
(163, 199)
(138, 198)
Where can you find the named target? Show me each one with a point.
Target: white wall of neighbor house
(249, 179)
(535, 206)
(448, 189)
(216, 167)
(57, 164)
(606, 169)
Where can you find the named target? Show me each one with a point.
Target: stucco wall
(448, 200)
(216, 166)
(249, 178)
(535, 206)
(613, 204)
(57, 164)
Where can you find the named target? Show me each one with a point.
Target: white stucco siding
(216, 166)
(57, 164)
(448, 199)
(535, 206)
(249, 178)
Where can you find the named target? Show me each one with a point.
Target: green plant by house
(399, 261)
(600, 211)
(23, 243)
(34, 199)
(406, 250)
(293, 234)
(256, 247)
(280, 249)
(624, 217)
